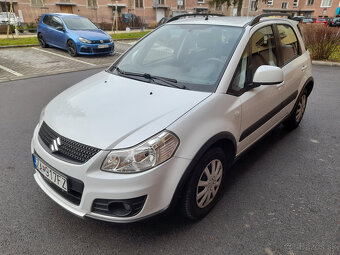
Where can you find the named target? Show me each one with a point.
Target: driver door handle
(304, 68)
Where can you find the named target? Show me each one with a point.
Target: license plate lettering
(50, 174)
(103, 46)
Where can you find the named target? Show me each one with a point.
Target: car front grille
(68, 150)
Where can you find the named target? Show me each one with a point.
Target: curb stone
(325, 63)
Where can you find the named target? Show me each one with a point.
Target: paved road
(18, 63)
(283, 197)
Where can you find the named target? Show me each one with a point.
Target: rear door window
(290, 48)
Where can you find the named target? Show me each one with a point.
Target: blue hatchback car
(74, 33)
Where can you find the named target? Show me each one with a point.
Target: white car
(163, 124)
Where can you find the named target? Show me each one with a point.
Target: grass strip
(34, 40)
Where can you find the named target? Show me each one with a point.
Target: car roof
(65, 15)
(236, 21)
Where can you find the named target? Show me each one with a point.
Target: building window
(161, 2)
(270, 2)
(284, 5)
(180, 5)
(326, 3)
(200, 1)
(37, 3)
(65, 1)
(139, 3)
(92, 3)
(253, 5)
(296, 3)
(310, 2)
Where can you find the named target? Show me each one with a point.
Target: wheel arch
(225, 141)
(309, 84)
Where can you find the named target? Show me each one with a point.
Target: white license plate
(53, 176)
(101, 46)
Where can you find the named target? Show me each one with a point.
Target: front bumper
(158, 184)
(93, 49)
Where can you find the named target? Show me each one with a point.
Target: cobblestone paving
(34, 61)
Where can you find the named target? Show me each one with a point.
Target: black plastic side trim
(268, 116)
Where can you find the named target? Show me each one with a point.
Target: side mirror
(268, 75)
(60, 28)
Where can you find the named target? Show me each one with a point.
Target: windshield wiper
(168, 81)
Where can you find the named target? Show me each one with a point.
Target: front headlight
(84, 40)
(144, 156)
(111, 40)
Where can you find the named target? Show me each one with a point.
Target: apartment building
(103, 10)
(308, 8)
(153, 10)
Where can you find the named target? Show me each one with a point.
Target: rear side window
(290, 48)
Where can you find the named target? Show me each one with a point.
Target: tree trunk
(239, 7)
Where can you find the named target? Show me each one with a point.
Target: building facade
(307, 8)
(103, 10)
(151, 11)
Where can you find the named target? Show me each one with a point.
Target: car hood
(92, 34)
(107, 111)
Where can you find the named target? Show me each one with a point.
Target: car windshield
(76, 23)
(194, 56)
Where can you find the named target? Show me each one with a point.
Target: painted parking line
(62, 56)
(10, 71)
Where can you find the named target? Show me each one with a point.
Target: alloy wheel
(301, 108)
(209, 183)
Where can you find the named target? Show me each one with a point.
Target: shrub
(322, 41)
(33, 27)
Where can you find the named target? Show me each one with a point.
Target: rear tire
(71, 48)
(203, 189)
(42, 41)
(298, 111)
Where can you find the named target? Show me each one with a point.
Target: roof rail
(194, 15)
(258, 17)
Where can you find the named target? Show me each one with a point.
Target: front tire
(298, 111)
(204, 186)
(71, 48)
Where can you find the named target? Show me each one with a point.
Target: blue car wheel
(42, 41)
(71, 48)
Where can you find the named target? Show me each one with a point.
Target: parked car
(321, 20)
(162, 21)
(163, 124)
(11, 17)
(298, 18)
(334, 22)
(129, 17)
(307, 21)
(74, 33)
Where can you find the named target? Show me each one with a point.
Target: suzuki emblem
(55, 144)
